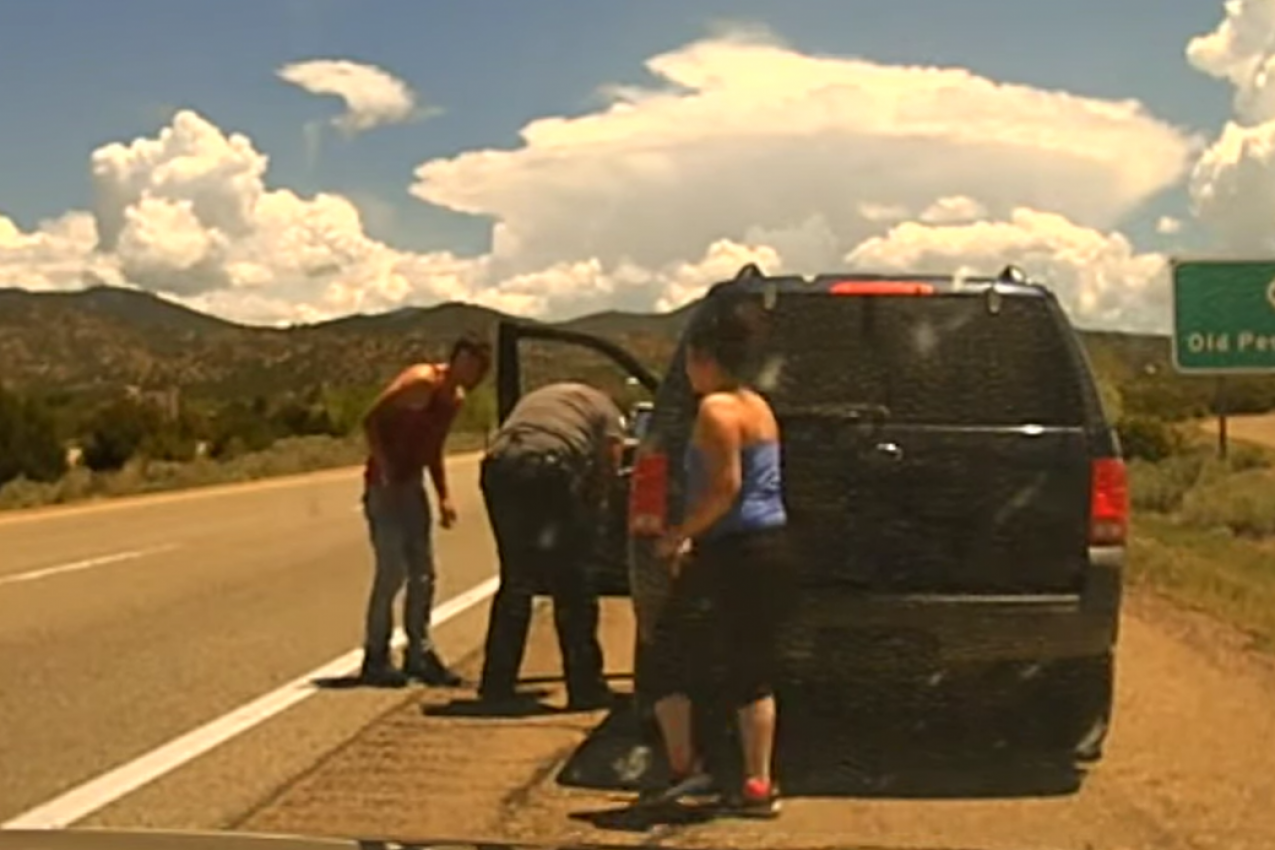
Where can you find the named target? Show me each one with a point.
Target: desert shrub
(1161, 487)
(115, 433)
(1149, 438)
(29, 444)
(1242, 502)
(241, 428)
(1246, 456)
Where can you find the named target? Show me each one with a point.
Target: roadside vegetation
(53, 451)
(1203, 530)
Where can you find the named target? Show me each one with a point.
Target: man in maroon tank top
(406, 429)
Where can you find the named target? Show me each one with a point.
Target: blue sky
(82, 72)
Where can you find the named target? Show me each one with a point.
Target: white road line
(86, 564)
(98, 793)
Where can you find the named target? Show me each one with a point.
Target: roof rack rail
(750, 270)
(1012, 274)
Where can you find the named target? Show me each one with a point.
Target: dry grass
(1229, 578)
(1204, 529)
(286, 457)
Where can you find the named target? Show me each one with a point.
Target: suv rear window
(940, 359)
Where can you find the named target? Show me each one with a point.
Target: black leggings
(722, 622)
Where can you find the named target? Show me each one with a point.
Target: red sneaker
(758, 798)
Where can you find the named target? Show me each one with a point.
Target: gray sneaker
(695, 784)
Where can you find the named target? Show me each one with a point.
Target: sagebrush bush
(1246, 456)
(1243, 502)
(1157, 487)
(1149, 438)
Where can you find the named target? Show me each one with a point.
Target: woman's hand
(672, 545)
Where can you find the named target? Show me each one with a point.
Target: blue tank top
(759, 504)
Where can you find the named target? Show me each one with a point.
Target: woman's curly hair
(730, 332)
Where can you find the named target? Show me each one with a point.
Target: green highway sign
(1223, 316)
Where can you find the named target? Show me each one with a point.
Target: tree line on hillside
(37, 432)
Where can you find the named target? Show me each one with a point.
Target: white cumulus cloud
(953, 209)
(373, 97)
(746, 136)
(746, 151)
(1239, 51)
(1102, 280)
(58, 255)
(1233, 184)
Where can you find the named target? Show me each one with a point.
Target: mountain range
(102, 339)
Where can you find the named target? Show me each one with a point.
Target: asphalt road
(125, 625)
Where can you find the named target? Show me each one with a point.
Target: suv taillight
(1108, 503)
(648, 494)
(880, 287)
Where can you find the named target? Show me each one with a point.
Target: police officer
(546, 478)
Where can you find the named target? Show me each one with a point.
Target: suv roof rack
(1012, 274)
(992, 296)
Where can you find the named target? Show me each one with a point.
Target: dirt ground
(1189, 765)
(1253, 429)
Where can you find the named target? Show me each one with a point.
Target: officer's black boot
(587, 687)
(378, 672)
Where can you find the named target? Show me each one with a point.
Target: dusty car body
(957, 494)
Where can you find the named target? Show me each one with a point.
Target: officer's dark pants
(544, 532)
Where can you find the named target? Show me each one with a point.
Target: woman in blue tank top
(730, 545)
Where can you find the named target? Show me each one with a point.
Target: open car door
(610, 559)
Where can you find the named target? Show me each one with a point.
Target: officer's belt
(521, 462)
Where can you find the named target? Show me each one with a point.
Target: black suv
(956, 493)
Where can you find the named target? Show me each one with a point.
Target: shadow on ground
(345, 683)
(638, 819)
(612, 678)
(528, 703)
(883, 752)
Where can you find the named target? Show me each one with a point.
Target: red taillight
(648, 494)
(880, 287)
(1108, 503)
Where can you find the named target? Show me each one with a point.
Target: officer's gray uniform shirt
(571, 421)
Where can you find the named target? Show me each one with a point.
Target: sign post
(1223, 322)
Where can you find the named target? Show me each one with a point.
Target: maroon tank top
(412, 436)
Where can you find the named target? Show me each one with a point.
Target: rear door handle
(890, 449)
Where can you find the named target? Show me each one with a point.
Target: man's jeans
(400, 527)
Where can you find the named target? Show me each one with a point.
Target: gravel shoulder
(1188, 767)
